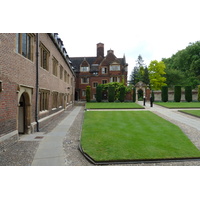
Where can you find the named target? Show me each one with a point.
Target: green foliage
(117, 87)
(122, 94)
(156, 71)
(175, 77)
(134, 94)
(164, 94)
(88, 93)
(111, 94)
(177, 93)
(188, 93)
(198, 92)
(188, 62)
(99, 93)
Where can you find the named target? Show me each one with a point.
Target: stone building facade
(37, 82)
(100, 69)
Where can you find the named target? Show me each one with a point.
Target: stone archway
(140, 86)
(24, 113)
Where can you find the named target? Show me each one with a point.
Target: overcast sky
(155, 29)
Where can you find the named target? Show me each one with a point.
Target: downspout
(37, 82)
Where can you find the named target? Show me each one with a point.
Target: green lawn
(115, 105)
(179, 104)
(129, 135)
(195, 113)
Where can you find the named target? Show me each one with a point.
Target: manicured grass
(195, 113)
(129, 135)
(115, 105)
(179, 104)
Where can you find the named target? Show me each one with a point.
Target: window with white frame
(114, 79)
(114, 67)
(104, 70)
(83, 93)
(84, 69)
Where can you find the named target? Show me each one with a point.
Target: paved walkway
(50, 151)
(173, 114)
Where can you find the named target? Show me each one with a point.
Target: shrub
(99, 93)
(198, 92)
(134, 94)
(88, 93)
(188, 93)
(122, 93)
(164, 93)
(111, 94)
(177, 93)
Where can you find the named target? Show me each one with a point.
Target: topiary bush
(111, 94)
(177, 93)
(164, 93)
(198, 92)
(188, 93)
(134, 94)
(122, 93)
(99, 93)
(88, 93)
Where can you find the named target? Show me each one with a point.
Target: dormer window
(114, 67)
(85, 66)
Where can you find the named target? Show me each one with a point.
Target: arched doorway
(140, 95)
(24, 114)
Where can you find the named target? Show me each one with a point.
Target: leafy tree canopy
(156, 71)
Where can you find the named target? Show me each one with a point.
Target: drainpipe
(37, 82)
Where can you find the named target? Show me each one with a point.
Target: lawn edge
(176, 107)
(182, 111)
(138, 161)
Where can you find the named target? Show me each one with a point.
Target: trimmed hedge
(177, 93)
(198, 92)
(164, 93)
(99, 93)
(122, 93)
(111, 94)
(88, 93)
(188, 93)
(134, 94)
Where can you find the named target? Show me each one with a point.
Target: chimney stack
(100, 50)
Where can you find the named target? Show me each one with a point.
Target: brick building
(37, 82)
(98, 70)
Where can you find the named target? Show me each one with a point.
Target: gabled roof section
(98, 60)
(84, 63)
(110, 58)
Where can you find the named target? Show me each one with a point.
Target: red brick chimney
(100, 49)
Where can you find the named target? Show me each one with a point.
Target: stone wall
(157, 95)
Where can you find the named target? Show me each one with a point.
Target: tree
(198, 92)
(156, 72)
(88, 93)
(140, 72)
(174, 77)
